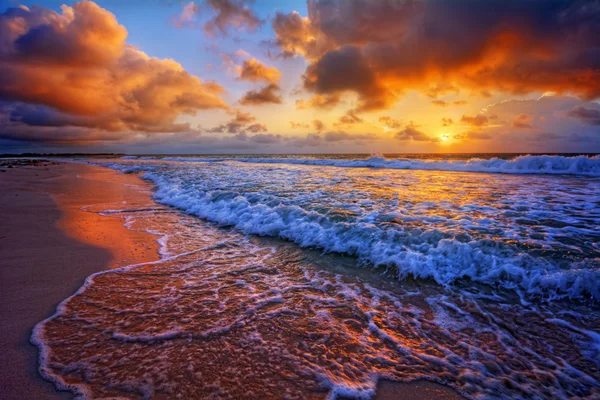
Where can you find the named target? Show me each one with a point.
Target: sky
(316, 76)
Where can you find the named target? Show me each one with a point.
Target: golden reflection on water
(239, 317)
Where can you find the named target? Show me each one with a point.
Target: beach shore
(51, 240)
(48, 246)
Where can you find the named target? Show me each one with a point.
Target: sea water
(316, 276)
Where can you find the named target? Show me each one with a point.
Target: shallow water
(484, 282)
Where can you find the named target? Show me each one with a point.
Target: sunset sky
(272, 76)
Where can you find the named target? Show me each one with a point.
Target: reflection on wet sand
(227, 315)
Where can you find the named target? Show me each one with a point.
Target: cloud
(239, 123)
(318, 101)
(544, 137)
(299, 125)
(390, 122)
(299, 35)
(350, 118)
(590, 116)
(443, 103)
(310, 140)
(338, 136)
(186, 18)
(318, 125)
(478, 120)
(410, 132)
(254, 71)
(522, 121)
(220, 129)
(255, 128)
(380, 49)
(447, 121)
(262, 96)
(441, 89)
(230, 13)
(554, 117)
(473, 135)
(543, 106)
(262, 138)
(77, 70)
(346, 69)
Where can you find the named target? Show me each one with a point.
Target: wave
(426, 254)
(542, 164)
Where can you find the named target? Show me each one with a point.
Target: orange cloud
(254, 71)
(390, 122)
(262, 96)
(299, 125)
(410, 132)
(77, 65)
(379, 49)
(318, 101)
(478, 120)
(350, 118)
(447, 121)
(522, 121)
(241, 122)
(473, 135)
(318, 125)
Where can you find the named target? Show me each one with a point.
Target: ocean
(316, 276)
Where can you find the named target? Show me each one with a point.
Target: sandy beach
(48, 246)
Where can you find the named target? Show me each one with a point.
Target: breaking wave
(422, 253)
(538, 164)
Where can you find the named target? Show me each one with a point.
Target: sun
(444, 137)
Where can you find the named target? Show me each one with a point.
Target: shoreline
(87, 243)
(49, 247)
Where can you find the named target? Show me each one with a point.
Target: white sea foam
(446, 240)
(174, 326)
(531, 164)
(428, 254)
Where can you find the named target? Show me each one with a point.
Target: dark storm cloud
(378, 49)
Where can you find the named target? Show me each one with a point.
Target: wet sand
(49, 245)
